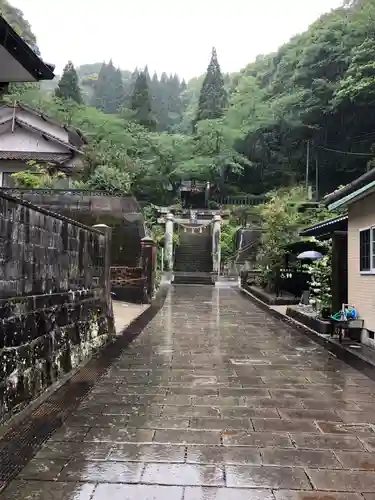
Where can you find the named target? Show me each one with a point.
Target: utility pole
(307, 165)
(317, 178)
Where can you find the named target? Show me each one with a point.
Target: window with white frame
(367, 250)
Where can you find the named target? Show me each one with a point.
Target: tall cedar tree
(68, 86)
(109, 89)
(213, 97)
(141, 103)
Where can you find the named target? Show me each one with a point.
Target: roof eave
(22, 52)
(353, 196)
(358, 183)
(324, 227)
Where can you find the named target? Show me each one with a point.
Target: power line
(360, 136)
(345, 152)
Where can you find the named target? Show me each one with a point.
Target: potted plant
(320, 285)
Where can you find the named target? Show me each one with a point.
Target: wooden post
(339, 279)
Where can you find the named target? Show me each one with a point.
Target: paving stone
(278, 425)
(315, 495)
(176, 400)
(351, 417)
(150, 453)
(86, 451)
(313, 404)
(193, 391)
(98, 421)
(240, 412)
(249, 392)
(45, 469)
(322, 415)
(51, 490)
(300, 458)
(272, 379)
(357, 460)
(137, 491)
(191, 411)
(221, 423)
(326, 442)
(159, 423)
(183, 474)
(105, 472)
(121, 435)
(342, 480)
(226, 494)
(218, 401)
(369, 443)
(259, 439)
(222, 455)
(244, 476)
(340, 428)
(132, 410)
(70, 434)
(273, 403)
(299, 394)
(187, 437)
(140, 390)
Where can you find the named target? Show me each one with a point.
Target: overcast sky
(168, 35)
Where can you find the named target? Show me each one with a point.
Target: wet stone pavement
(214, 401)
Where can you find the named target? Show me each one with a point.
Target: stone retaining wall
(54, 303)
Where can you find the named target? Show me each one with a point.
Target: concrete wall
(54, 303)
(361, 287)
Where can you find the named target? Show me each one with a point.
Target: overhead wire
(350, 153)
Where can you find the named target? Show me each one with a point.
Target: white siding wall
(361, 287)
(24, 140)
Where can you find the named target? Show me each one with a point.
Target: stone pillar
(168, 243)
(216, 245)
(148, 263)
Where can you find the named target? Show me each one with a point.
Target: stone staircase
(193, 259)
(192, 278)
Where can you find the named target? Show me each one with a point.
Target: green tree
(108, 179)
(358, 84)
(215, 157)
(68, 86)
(109, 91)
(141, 103)
(213, 96)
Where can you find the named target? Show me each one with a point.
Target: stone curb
(353, 358)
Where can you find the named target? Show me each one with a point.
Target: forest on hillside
(311, 101)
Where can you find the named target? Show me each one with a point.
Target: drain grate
(21, 442)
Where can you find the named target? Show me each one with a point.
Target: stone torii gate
(170, 220)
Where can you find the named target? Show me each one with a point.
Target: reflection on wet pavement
(215, 400)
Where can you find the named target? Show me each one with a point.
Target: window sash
(365, 250)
